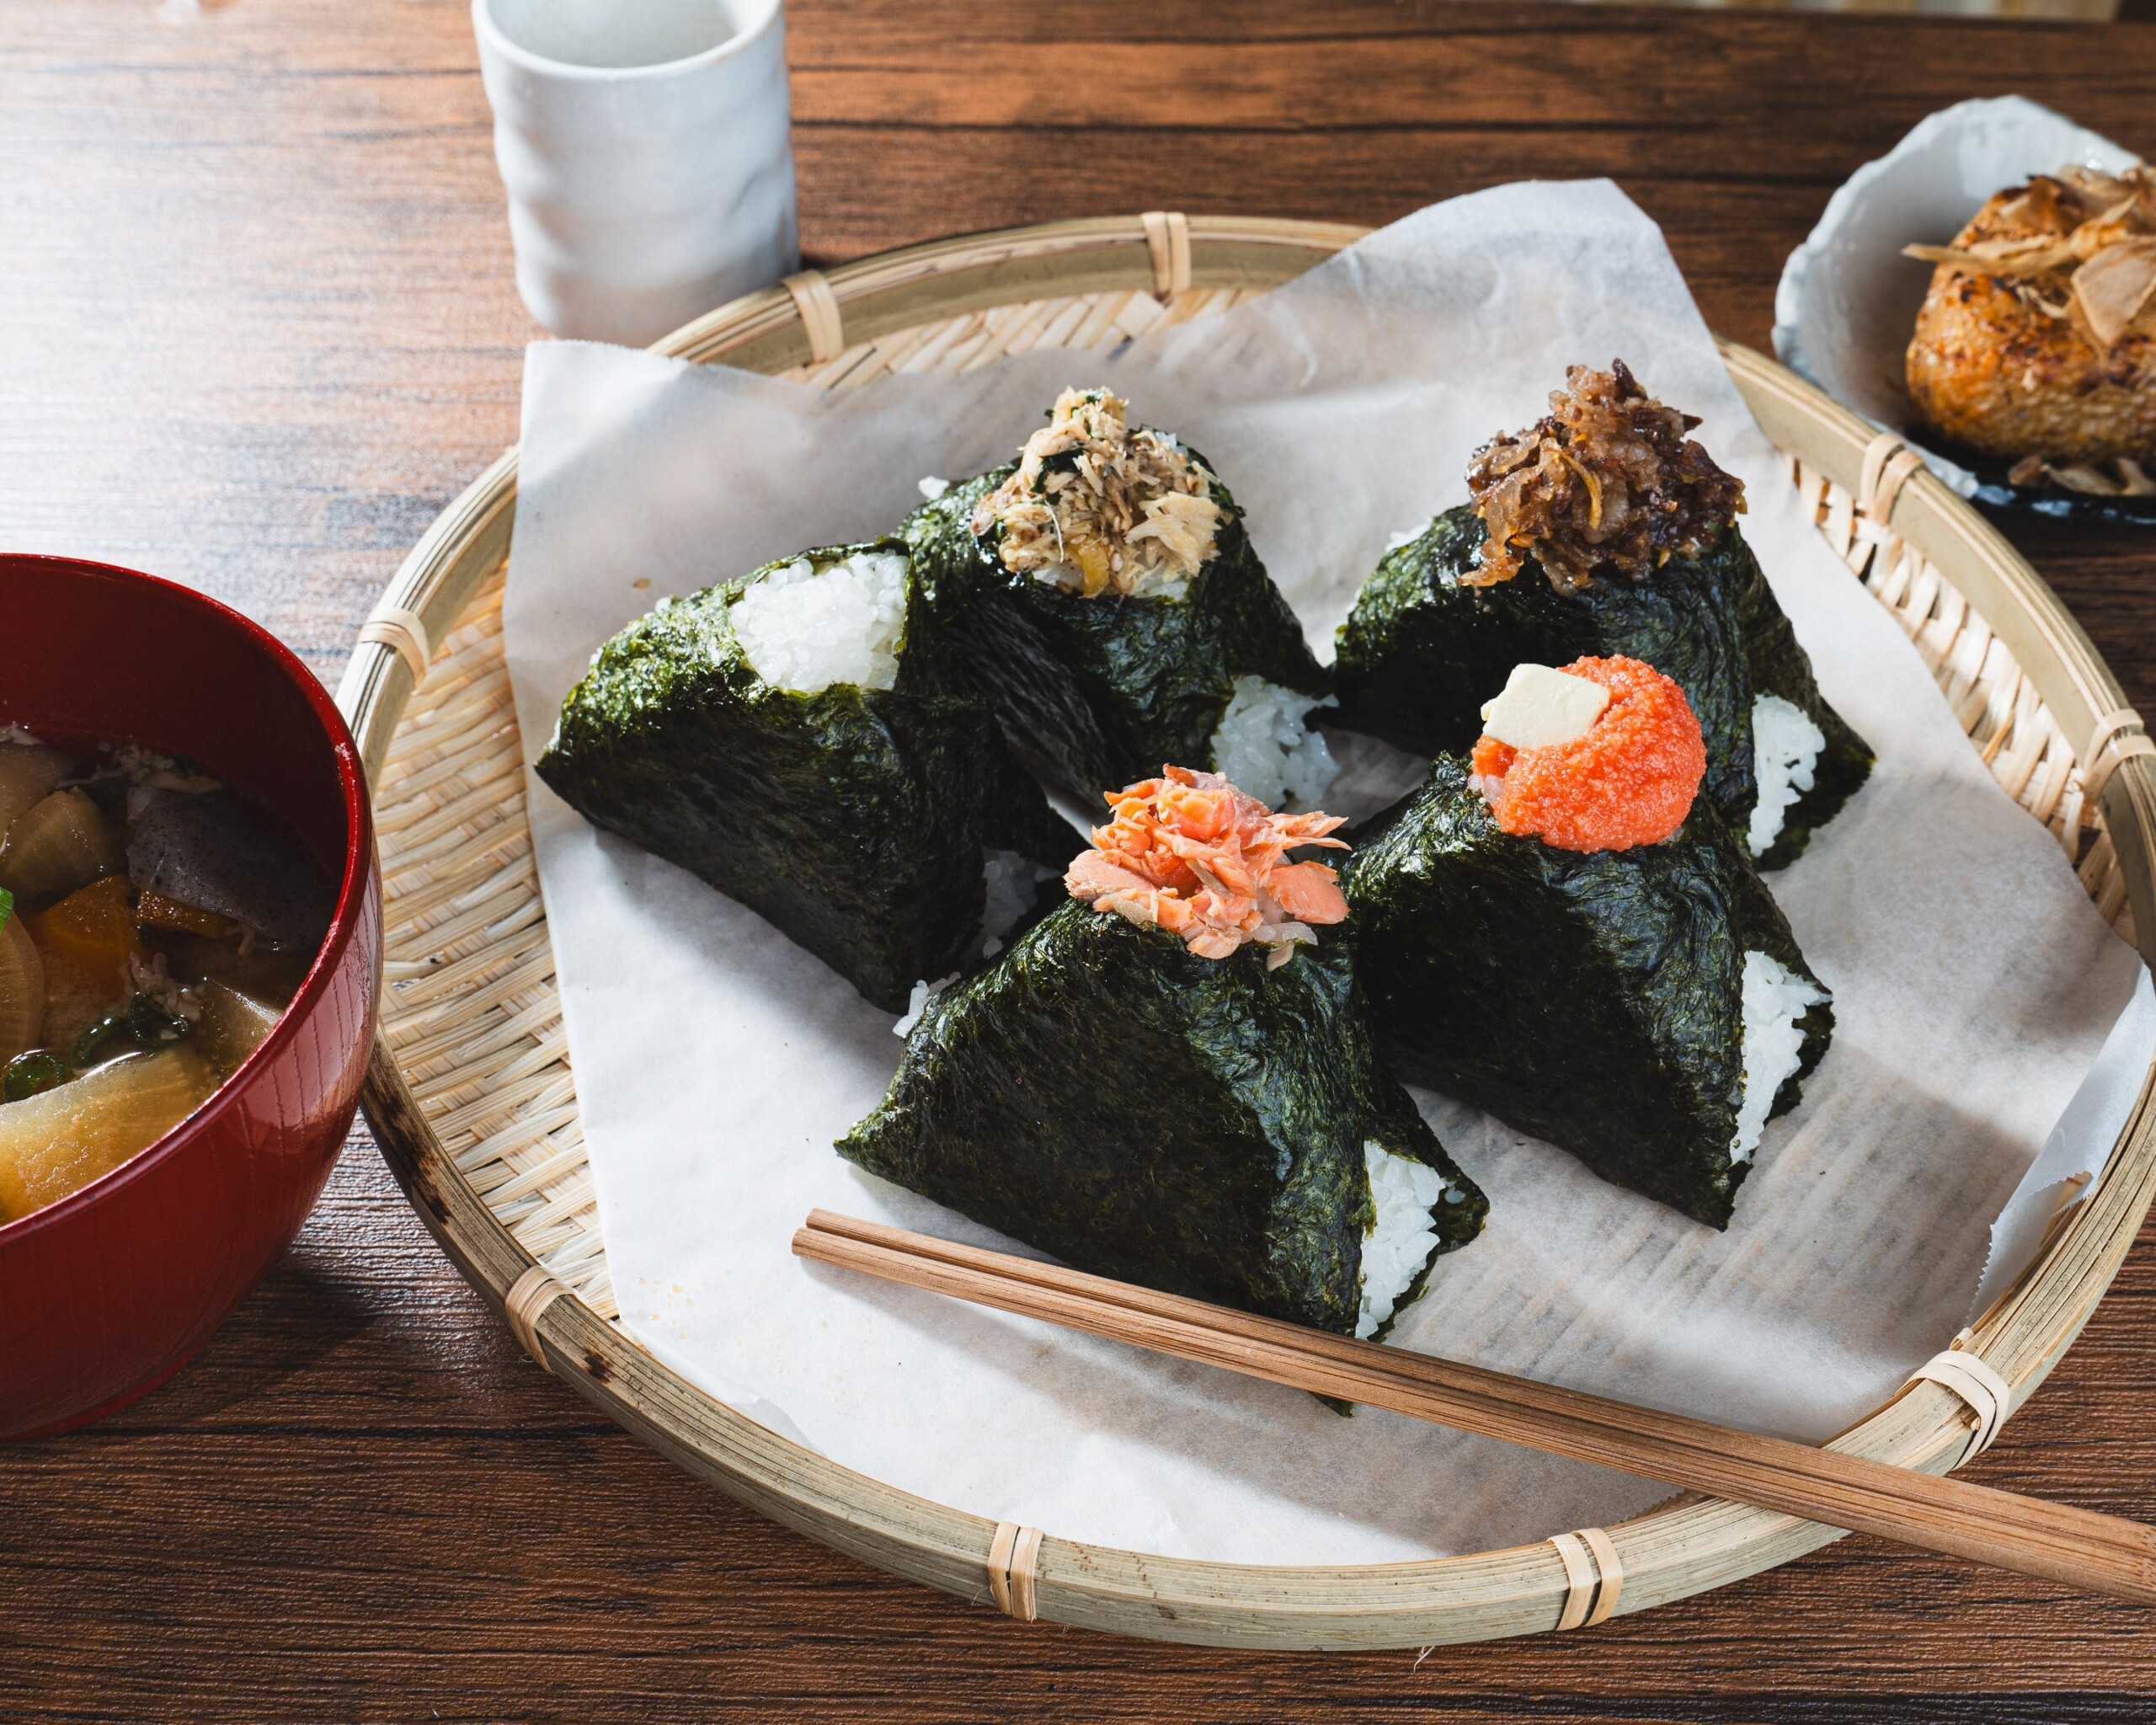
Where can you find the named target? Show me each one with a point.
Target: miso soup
(153, 928)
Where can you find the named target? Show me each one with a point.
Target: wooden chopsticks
(2104, 1554)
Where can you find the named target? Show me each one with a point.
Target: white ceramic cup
(646, 147)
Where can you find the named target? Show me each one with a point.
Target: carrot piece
(92, 929)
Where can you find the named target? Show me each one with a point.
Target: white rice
(923, 992)
(1785, 745)
(1403, 1236)
(804, 629)
(1774, 999)
(932, 488)
(1267, 750)
(1010, 880)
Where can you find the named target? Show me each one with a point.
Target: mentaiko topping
(1098, 507)
(1607, 479)
(1629, 778)
(1190, 853)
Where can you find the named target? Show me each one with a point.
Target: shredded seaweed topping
(1607, 479)
(2079, 245)
(1098, 507)
(1190, 853)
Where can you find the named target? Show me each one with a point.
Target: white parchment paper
(715, 1062)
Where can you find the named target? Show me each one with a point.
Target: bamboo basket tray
(471, 1096)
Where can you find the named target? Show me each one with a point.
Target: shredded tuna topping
(1097, 507)
(1607, 479)
(2079, 245)
(1190, 853)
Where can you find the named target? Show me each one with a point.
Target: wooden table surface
(256, 327)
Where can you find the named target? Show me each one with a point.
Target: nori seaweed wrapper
(1594, 999)
(1423, 650)
(1098, 693)
(854, 820)
(1193, 1125)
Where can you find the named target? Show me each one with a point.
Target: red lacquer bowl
(106, 1294)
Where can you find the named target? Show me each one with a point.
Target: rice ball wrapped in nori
(1104, 589)
(1601, 531)
(1169, 1082)
(1562, 935)
(788, 737)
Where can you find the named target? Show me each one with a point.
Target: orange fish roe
(1190, 853)
(1629, 781)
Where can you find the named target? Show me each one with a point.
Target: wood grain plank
(1508, 77)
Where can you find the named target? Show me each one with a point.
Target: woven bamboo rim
(470, 1092)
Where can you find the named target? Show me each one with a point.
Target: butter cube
(1541, 708)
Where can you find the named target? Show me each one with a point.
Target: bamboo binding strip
(1989, 1396)
(1889, 464)
(1594, 1577)
(405, 630)
(820, 316)
(474, 1102)
(1014, 1557)
(1168, 241)
(529, 1296)
(2109, 745)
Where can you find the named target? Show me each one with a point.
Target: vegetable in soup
(152, 930)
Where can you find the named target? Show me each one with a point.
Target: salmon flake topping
(1190, 853)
